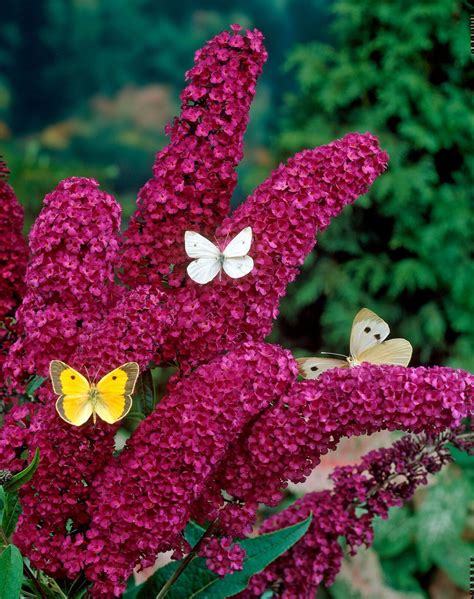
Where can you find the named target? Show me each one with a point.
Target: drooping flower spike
(289, 425)
(384, 478)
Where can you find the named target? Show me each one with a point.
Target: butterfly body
(209, 260)
(367, 344)
(110, 399)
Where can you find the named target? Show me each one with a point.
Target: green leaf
(11, 573)
(394, 535)
(199, 582)
(144, 394)
(454, 559)
(9, 511)
(399, 572)
(33, 384)
(441, 516)
(24, 476)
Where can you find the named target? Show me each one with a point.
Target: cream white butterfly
(210, 260)
(367, 344)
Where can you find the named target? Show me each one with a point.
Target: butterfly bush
(13, 258)
(235, 418)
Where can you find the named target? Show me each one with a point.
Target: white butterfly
(210, 260)
(367, 344)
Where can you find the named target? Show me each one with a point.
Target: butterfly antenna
(96, 373)
(88, 375)
(329, 353)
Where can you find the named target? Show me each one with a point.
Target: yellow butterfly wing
(114, 392)
(74, 405)
(311, 368)
(396, 352)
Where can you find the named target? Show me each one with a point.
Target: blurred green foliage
(399, 70)
(88, 85)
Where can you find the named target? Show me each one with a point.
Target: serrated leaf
(21, 478)
(11, 573)
(197, 582)
(33, 384)
(394, 535)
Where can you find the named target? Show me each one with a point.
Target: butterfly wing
(238, 267)
(74, 405)
(204, 270)
(368, 330)
(114, 392)
(74, 409)
(311, 368)
(197, 246)
(393, 351)
(66, 380)
(240, 245)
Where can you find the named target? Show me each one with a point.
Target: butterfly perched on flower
(367, 344)
(210, 260)
(110, 398)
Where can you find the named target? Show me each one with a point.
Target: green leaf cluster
(400, 71)
(438, 534)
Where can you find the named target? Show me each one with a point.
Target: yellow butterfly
(367, 344)
(110, 398)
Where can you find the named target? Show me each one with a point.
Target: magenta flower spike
(194, 176)
(285, 212)
(293, 424)
(13, 248)
(172, 457)
(13, 259)
(70, 277)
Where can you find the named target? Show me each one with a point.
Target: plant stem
(186, 561)
(30, 574)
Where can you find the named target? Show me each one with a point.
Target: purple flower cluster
(286, 212)
(55, 504)
(384, 478)
(69, 280)
(240, 422)
(223, 555)
(316, 414)
(13, 249)
(13, 259)
(172, 457)
(194, 176)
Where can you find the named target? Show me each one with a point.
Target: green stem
(4, 537)
(30, 574)
(186, 561)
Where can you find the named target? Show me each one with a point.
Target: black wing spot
(367, 330)
(377, 336)
(114, 378)
(314, 368)
(72, 377)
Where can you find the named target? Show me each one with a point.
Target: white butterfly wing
(394, 351)
(368, 330)
(238, 267)
(197, 246)
(204, 270)
(311, 368)
(240, 245)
